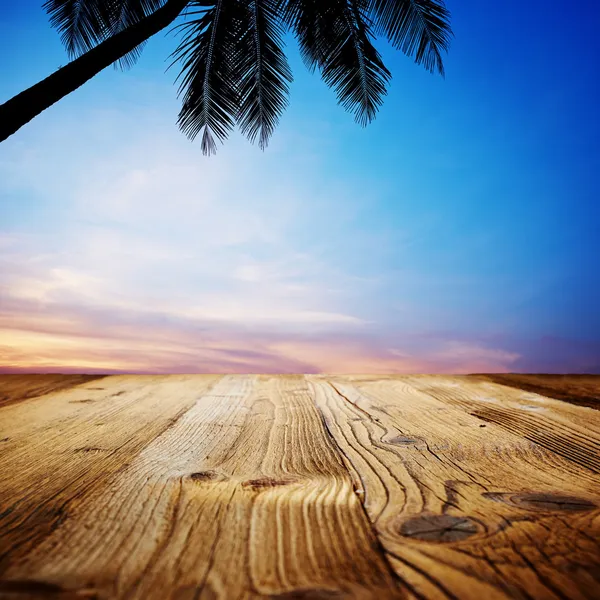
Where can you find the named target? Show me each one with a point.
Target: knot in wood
(438, 528)
(553, 502)
(263, 483)
(402, 440)
(543, 501)
(207, 476)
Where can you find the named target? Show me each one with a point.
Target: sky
(458, 233)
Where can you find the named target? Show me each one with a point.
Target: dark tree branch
(23, 107)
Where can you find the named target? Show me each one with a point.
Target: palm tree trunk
(23, 107)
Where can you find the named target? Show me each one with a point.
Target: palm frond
(420, 28)
(82, 24)
(336, 37)
(125, 13)
(263, 72)
(209, 53)
(233, 66)
(312, 22)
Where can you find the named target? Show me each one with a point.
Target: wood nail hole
(438, 528)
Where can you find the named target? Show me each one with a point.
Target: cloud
(139, 254)
(85, 339)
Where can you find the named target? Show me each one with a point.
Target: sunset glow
(454, 235)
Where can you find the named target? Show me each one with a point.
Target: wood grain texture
(569, 431)
(14, 388)
(241, 495)
(582, 390)
(207, 486)
(458, 502)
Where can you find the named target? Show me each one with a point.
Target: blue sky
(456, 233)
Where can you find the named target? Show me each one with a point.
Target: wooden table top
(299, 486)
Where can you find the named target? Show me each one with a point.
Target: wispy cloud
(152, 258)
(437, 239)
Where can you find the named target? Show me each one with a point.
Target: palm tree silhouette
(233, 67)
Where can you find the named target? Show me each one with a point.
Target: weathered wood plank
(59, 447)
(463, 507)
(15, 388)
(582, 390)
(243, 496)
(572, 432)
